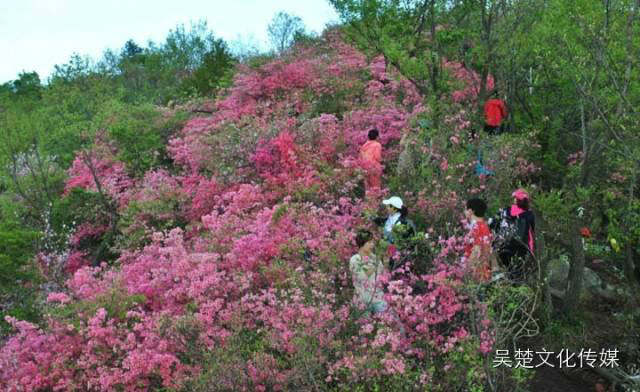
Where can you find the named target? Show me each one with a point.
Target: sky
(35, 35)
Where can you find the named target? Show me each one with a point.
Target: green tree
(28, 84)
(215, 71)
(283, 29)
(189, 61)
(18, 277)
(140, 134)
(404, 32)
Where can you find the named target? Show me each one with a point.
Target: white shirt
(366, 272)
(391, 221)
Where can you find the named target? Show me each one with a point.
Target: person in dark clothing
(514, 233)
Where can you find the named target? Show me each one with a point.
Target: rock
(558, 273)
(609, 292)
(556, 293)
(592, 281)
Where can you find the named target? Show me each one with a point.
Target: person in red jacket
(494, 112)
(477, 248)
(371, 160)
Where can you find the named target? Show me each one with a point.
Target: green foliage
(565, 333)
(67, 212)
(190, 61)
(464, 368)
(214, 73)
(334, 102)
(43, 126)
(229, 145)
(142, 218)
(116, 302)
(27, 85)
(18, 275)
(140, 133)
(395, 29)
(283, 30)
(71, 105)
(222, 365)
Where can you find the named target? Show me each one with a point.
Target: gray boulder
(592, 283)
(559, 273)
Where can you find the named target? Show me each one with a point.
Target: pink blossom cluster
(100, 163)
(471, 81)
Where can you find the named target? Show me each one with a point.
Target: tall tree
(28, 84)
(404, 32)
(283, 29)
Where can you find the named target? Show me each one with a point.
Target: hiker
(397, 217)
(477, 249)
(494, 112)
(371, 160)
(366, 270)
(397, 214)
(514, 230)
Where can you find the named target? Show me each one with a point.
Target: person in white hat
(394, 209)
(397, 214)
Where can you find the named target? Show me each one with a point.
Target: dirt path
(555, 380)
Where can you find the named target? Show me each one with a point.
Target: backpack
(507, 242)
(505, 231)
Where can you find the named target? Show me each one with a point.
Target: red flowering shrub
(100, 167)
(233, 263)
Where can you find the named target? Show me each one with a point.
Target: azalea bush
(224, 264)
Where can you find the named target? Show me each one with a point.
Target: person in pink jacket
(371, 160)
(514, 229)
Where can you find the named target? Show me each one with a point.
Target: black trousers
(514, 260)
(491, 130)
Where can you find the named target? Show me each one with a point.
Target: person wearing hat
(520, 209)
(515, 234)
(397, 215)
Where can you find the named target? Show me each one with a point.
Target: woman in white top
(397, 215)
(366, 270)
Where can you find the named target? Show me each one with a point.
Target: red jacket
(480, 236)
(494, 112)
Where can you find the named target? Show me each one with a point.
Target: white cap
(393, 201)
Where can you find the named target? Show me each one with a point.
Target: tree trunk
(543, 260)
(576, 272)
(487, 39)
(576, 267)
(631, 272)
(630, 267)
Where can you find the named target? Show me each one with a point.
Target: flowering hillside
(233, 260)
